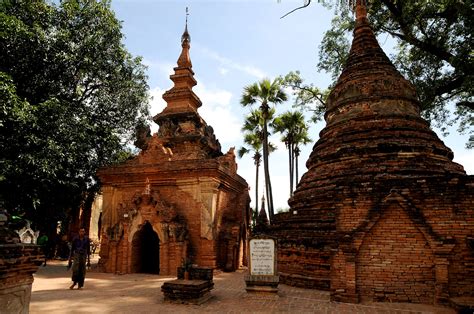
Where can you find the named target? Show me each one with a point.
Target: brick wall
(199, 204)
(395, 262)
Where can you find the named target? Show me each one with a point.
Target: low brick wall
(18, 262)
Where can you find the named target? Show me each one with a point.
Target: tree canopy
(71, 96)
(433, 49)
(294, 133)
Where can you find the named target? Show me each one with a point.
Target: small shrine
(181, 199)
(383, 213)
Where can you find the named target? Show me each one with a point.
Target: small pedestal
(263, 276)
(195, 290)
(262, 284)
(187, 291)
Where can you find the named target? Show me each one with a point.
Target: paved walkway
(141, 293)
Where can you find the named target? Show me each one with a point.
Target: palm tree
(253, 138)
(294, 132)
(302, 137)
(265, 92)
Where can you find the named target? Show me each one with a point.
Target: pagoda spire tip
(186, 38)
(360, 7)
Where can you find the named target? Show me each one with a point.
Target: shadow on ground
(141, 293)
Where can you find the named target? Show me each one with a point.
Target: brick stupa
(383, 213)
(180, 201)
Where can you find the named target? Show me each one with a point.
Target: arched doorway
(146, 251)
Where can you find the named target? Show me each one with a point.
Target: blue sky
(235, 43)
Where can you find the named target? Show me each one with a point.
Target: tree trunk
(267, 173)
(257, 167)
(297, 153)
(74, 222)
(85, 220)
(290, 167)
(268, 185)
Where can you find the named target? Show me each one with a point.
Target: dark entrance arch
(146, 251)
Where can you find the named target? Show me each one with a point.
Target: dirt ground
(141, 293)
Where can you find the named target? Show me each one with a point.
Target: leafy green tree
(307, 97)
(265, 92)
(294, 130)
(253, 140)
(71, 96)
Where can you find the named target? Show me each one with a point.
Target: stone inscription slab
(262, 257)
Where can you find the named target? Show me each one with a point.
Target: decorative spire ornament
(184, 60)
(186, 38)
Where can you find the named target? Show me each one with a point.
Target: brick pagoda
(383, 213)
(180, 200)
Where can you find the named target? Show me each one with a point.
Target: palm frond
(242, 151)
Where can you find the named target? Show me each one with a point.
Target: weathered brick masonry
(383, 213)
(18, 262)
(180, 200)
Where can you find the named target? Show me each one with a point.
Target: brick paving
(140, 293)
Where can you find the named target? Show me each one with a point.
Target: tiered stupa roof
(182, 130)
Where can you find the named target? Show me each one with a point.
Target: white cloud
(223, 71)
(157, 104)
(216, 111)
(228, 63)
(163, 67)
(212, 97)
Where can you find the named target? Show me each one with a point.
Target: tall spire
(262, 215)
(182, 129)
(184, 60)
(262, 223)
(181, 98)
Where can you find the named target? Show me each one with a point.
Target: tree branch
(412, 39)
(301, 7)
(309, 90)
(450, 85)
(467, 104)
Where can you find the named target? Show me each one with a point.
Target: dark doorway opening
(146, 251)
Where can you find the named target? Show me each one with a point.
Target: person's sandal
(72, 286)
